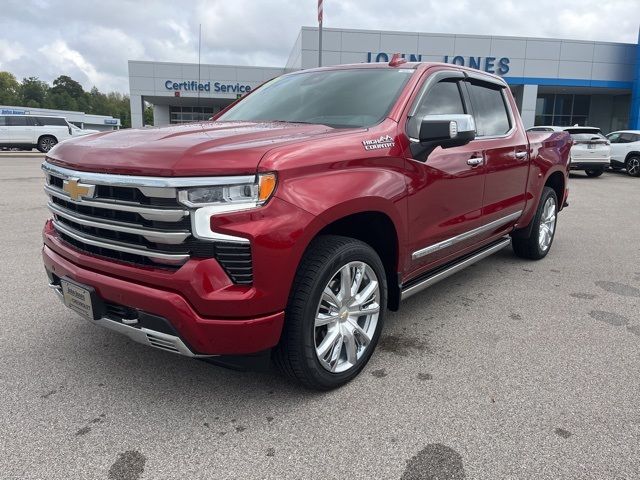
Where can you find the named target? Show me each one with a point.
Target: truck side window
(17, 121)
(443, 98)
(489, 110)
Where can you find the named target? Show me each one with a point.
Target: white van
(39, 131)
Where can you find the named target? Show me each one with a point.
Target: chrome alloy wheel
(47, 144)
(347, 316)
(633, 166)
(547, 224)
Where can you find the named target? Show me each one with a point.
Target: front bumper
(189, 333)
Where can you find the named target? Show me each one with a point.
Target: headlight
(238, 192)
(233, 194)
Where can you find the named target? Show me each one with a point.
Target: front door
(445, 191)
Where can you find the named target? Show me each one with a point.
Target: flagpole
(320, 45)
(320, 15)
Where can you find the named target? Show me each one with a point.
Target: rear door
(504, 146)
(58, 127)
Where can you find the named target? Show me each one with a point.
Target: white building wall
(528, 57)
(161, 115)
(137, 111)
(528, 109)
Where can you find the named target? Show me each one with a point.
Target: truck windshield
(356, 97)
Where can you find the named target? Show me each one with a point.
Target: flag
(319, 11)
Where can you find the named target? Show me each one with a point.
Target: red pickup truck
(301, 213)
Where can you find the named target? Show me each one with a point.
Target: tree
(9, 89)
(65, 94)
(148, 115)
(33, 92)
(64, 84)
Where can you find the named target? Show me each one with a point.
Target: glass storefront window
(180, 114)
(562, 110)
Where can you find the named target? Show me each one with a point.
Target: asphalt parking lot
(510, 369)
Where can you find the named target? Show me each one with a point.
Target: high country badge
(385, 141)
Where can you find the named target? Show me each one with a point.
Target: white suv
(590, 152)
(625, 151)
(41, 132)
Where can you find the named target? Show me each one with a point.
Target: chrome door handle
(521, 155)
(475, 161)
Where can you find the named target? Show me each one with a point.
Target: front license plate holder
(82, 299)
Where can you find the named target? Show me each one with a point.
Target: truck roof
(421, 66)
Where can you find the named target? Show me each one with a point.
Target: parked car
(625, 151)
(591, 151)
(301, 213)
(41, 132)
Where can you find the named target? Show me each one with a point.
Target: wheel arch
(44, 135)
(632, 153)
(376, 229)
(557, 181)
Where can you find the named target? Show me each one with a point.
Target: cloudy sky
(91, 40)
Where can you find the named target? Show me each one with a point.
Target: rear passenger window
(3, 122)
(489, 110)
(17, 121)
(442, 98)
(53, 121)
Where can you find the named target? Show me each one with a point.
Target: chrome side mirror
(445, 131)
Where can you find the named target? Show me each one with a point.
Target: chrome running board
(448, 270)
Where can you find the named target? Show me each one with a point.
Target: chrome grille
(139, 222)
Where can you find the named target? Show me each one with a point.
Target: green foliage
(64, 84)
(148, 116)
(33, 92)
(9, 89)
(65, 94)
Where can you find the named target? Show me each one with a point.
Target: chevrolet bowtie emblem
(77, 190)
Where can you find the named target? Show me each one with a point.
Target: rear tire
(46, 143)
(633, 166)
(326, 341)
(594, 173)
(537, 245)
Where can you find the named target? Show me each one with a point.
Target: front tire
(335, 313)
(594, 173)
(633, 166)
(538, 243)
(46, 143)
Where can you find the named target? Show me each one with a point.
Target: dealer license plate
(77, 298)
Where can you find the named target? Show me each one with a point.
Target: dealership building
(555, 82)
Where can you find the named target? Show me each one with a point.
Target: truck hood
(196, 149)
